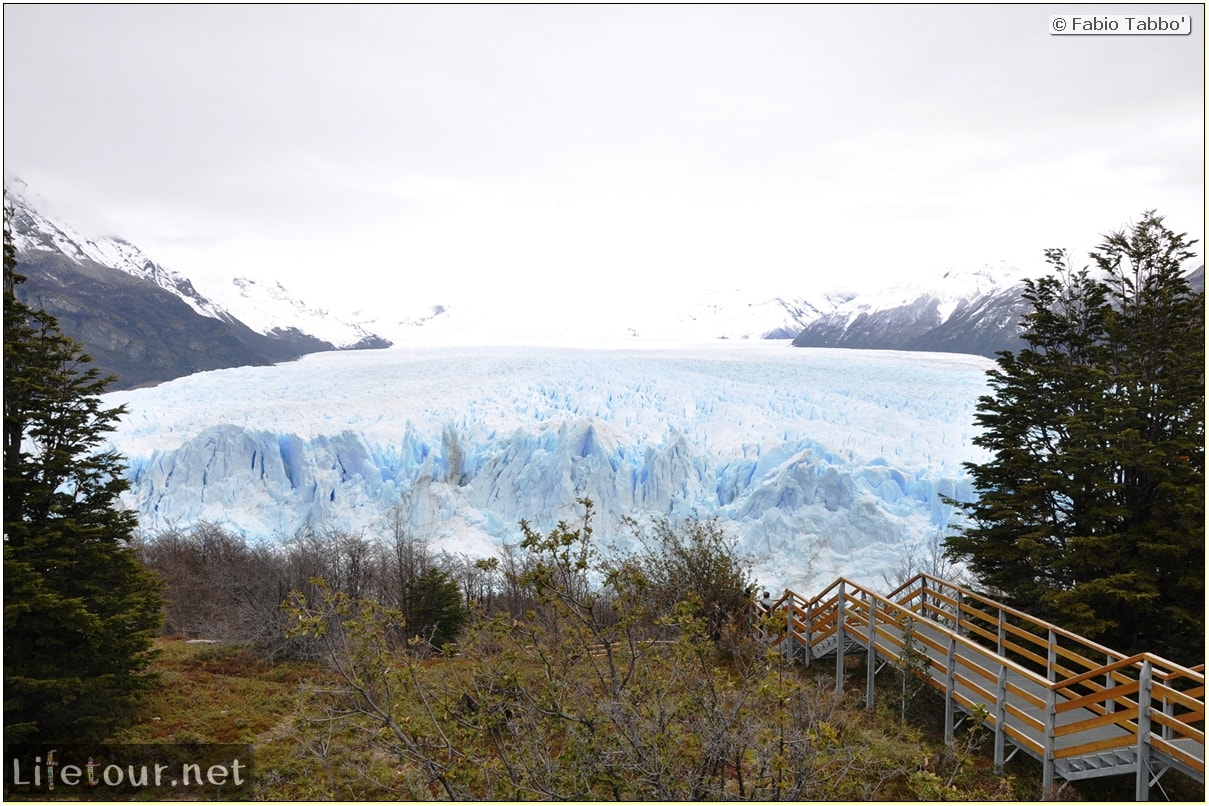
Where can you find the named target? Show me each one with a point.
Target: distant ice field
(819, 462)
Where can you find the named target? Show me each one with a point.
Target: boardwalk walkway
(1081, 709)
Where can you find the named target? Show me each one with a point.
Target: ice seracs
(817, 461)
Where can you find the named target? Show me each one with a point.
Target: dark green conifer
(437, 612)
(1091, 506)
(80, 611)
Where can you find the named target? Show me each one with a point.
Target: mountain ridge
(977, 312)
(146, 324)
(959, 311)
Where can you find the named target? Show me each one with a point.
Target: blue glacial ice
(818, 462)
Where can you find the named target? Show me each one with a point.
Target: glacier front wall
(817, 461)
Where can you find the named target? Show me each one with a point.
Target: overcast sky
(383, 155)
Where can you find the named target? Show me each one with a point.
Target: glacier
(818, 462)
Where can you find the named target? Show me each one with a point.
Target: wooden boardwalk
(1081, 709)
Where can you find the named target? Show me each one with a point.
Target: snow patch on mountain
(949, 289)
(269, 308)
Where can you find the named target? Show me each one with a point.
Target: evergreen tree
(1091, 507)
(437, 612)
(80, 611)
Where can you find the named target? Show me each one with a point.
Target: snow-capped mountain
(967, 312)
(33, 231)
(974, 312)
(817, 461)
(977, 312)
(126, 309)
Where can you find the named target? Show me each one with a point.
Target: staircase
(1081, 709)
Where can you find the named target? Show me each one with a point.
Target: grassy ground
(217, 693)
(223, 693)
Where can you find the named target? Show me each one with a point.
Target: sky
(542, 157)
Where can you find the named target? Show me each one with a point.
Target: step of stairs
(1110, 762)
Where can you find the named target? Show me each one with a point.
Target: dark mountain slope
(131, 328)
(145, 323)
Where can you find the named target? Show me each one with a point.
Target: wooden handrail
(1114, 718)
(1116, 693)
(1162, 667)
(1102, 670)
(1060, 631)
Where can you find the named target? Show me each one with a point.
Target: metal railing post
(1051, 657)
(1047, 763)
(809, 638)
(957, 616)
(871, 654)
(789, 597)
(839, 640)
(1000, 718)
(1142, 781)
(950, 685)
(1168, 710)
